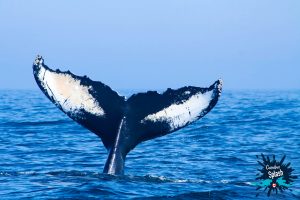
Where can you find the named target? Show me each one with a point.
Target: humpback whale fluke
(122, 124)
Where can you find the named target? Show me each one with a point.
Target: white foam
(178, 115)
(69, 93)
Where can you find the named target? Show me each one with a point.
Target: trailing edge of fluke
(123, 123)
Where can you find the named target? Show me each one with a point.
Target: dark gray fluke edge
(122, 124)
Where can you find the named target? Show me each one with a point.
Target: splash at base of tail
(122, 124)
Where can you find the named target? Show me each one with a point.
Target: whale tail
(122, 124)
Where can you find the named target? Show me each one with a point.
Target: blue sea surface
(46, 155)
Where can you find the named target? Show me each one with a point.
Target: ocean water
(45, 155)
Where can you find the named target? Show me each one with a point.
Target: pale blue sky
(251, 44)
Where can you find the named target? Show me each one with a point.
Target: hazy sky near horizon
(153, 44)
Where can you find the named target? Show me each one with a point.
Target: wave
(129, 178)
(37, 123)
(214, 194)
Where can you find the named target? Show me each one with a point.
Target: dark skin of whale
(123, 123)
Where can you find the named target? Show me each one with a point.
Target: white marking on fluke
(68, 92)
(178, 115)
